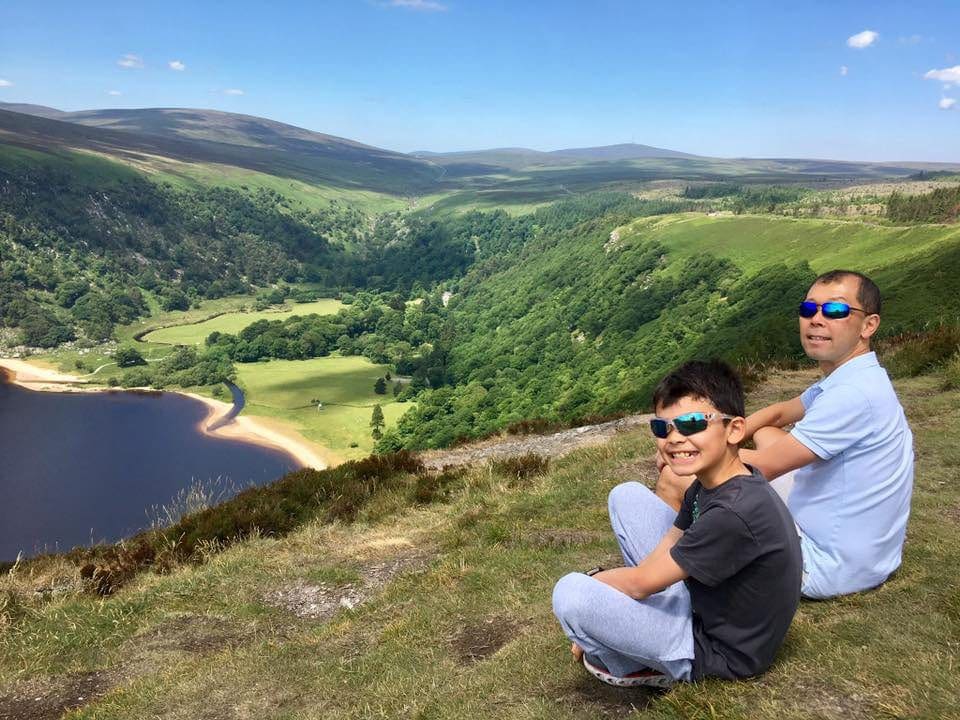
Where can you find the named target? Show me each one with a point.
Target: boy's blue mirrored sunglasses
(831, 310)
(686, 424)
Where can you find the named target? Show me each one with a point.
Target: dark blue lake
(80, 468)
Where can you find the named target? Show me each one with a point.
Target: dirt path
(554, 445)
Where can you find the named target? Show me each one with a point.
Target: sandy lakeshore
(265, 432)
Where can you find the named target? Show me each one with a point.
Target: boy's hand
(660, 460)
(577, 652)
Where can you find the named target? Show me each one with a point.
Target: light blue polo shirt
(852, 504)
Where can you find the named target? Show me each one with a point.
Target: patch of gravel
(554, 445)
(324, 600)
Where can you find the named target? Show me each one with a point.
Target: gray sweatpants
(624, 634)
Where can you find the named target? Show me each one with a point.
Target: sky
(841, 80)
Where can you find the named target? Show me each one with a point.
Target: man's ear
(869, 327)
(736, 430)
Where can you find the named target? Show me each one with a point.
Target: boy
(733, 544)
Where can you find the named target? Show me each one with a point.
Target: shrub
(11, 608)
(128, 357)
(951, 371)
(913, 354)
(429, 487)
(521, 467)
(138, 377)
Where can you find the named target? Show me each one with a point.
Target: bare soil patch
(191, 634)
(322, 601)
(824, 701)
(598, 700)
(643, 471)
(476, 641)
(563, 538)
(50, 698)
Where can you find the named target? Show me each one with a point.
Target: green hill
(585, 319)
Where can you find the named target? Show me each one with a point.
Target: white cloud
(233, 91)
(131, 61)
(863, 39)
(5, 83)
(947, 103)
(176, 65)
(948, 76)
(844, 70)
(114, 92)
(422, 5)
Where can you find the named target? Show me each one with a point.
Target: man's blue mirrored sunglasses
(830, 310)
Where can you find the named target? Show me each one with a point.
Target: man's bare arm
(657, 571)
(784, 455)
(776, 415)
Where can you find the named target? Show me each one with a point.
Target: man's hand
(577, 652)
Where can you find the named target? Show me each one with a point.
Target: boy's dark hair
(711, 380)
(868, 294)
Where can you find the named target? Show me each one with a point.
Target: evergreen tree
(377, 422)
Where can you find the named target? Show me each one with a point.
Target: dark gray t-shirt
(742, 553)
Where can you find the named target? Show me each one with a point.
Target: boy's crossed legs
(623, 634)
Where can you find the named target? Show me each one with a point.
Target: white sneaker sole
(657, 680)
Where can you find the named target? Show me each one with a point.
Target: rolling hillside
(148, 137)
(185, 142)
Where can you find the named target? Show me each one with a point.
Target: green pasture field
(753, 242)
(464, 628)
(234, 322)
(65, 358)
(283, 389)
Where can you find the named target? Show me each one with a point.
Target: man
(850, 445)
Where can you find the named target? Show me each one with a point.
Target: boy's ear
(736, 430)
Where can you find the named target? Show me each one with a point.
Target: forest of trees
(80, 245)
(938, 206)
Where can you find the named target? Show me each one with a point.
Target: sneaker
(646, 677)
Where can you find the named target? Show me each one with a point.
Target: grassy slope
(471, 634)
(283, 389)
(756, 241)
(236, 321)
(309, 195)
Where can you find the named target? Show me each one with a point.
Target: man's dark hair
(868, 294)
(711, 380)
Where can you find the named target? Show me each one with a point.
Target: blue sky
(844, 80)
